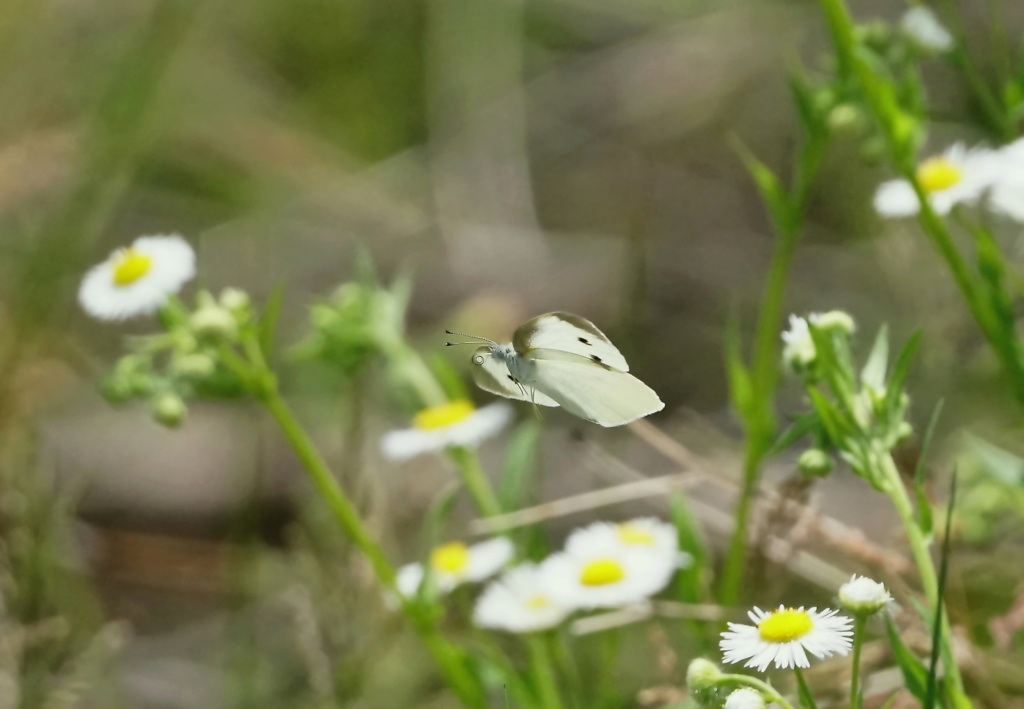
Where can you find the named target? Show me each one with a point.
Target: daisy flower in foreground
(785, 636)
(456, 423)
(138, 279)
(518, 603)
(863, 596)
(598, 570)
(1007, 196)
(958, 175)
(456, 563)
(744, 698)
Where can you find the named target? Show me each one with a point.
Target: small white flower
(744, 698)
(643, 533)
(798, 349)
(958, 175)
(863, 596)
(925, 30)
(456, 423)
(597, 570)
(833, 320)
(518, 603)
(785, 636)
(456, 563)
(1007, 195)
(138, 279)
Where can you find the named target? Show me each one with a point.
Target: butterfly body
(561, 359)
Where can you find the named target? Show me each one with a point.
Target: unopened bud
(169, 409)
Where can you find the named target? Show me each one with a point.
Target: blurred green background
(516, 158)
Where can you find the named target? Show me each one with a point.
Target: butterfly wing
(590, 390)
(568, 333)
(491, 374)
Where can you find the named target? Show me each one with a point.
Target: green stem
(760, 421)
(541, 666)
(764, 688)
(451, 660)
(475, 480)
(806, 698)
(856, 697)
(923, 560)
(416, 373)
(567, 665)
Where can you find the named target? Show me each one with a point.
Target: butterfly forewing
(601, 394)
(492, 374)
(568, 333)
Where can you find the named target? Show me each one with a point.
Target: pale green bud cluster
(185, 360)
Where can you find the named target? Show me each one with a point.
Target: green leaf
(873, 374)
(915, 674)
(740, 386)
(924, 507)
(803, 425)
(692, 581)
(520, 461)
(835, 421)
(768, 184)
(900, 369)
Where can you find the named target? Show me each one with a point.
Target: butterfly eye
(478, 359)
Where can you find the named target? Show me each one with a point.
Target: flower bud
(234, 299)
(214, 320)
(846, 117)
(168, 408)
(863, 596)
(702, 674)
(815, 462)
(194, 366)
(834, 321)
(744, 698)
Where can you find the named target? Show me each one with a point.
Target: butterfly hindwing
(491, 374)
(568, 333)
(592, 391)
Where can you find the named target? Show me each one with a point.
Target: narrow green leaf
(924, 507)
(937, 639)
(836, 422)
(873, 374)
(768, 184)
(692, 580)
(740, 386)
(901, 366)
(520, 460)
(915, 674)
(802, 426)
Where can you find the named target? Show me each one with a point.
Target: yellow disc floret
(601, 572)
(538, 602)
(450, 558)
(444, 415)
(938, 173)
(130, 266)
(635, 534)
(785, 625)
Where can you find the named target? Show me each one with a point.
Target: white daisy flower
(456, 423)
(863, 596)
(643, 533)
(138, 279)
(456, 563)
(958, 175)
(785, 636)
(598, 570)
(925, 30)
(744, 698)
(798, 349)
(518, 603)
(1007, 195)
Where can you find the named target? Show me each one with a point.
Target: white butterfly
(561, 359)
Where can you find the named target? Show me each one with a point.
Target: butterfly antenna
(476, 339)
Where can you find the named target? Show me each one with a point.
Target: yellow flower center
(785, 625)
(635, 534)
(444, 415)
(938, 173)
(601, 572)
(451, 558)
(130, 266)
(538, 602)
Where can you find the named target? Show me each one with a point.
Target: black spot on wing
(596, 358)
(584, 340)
